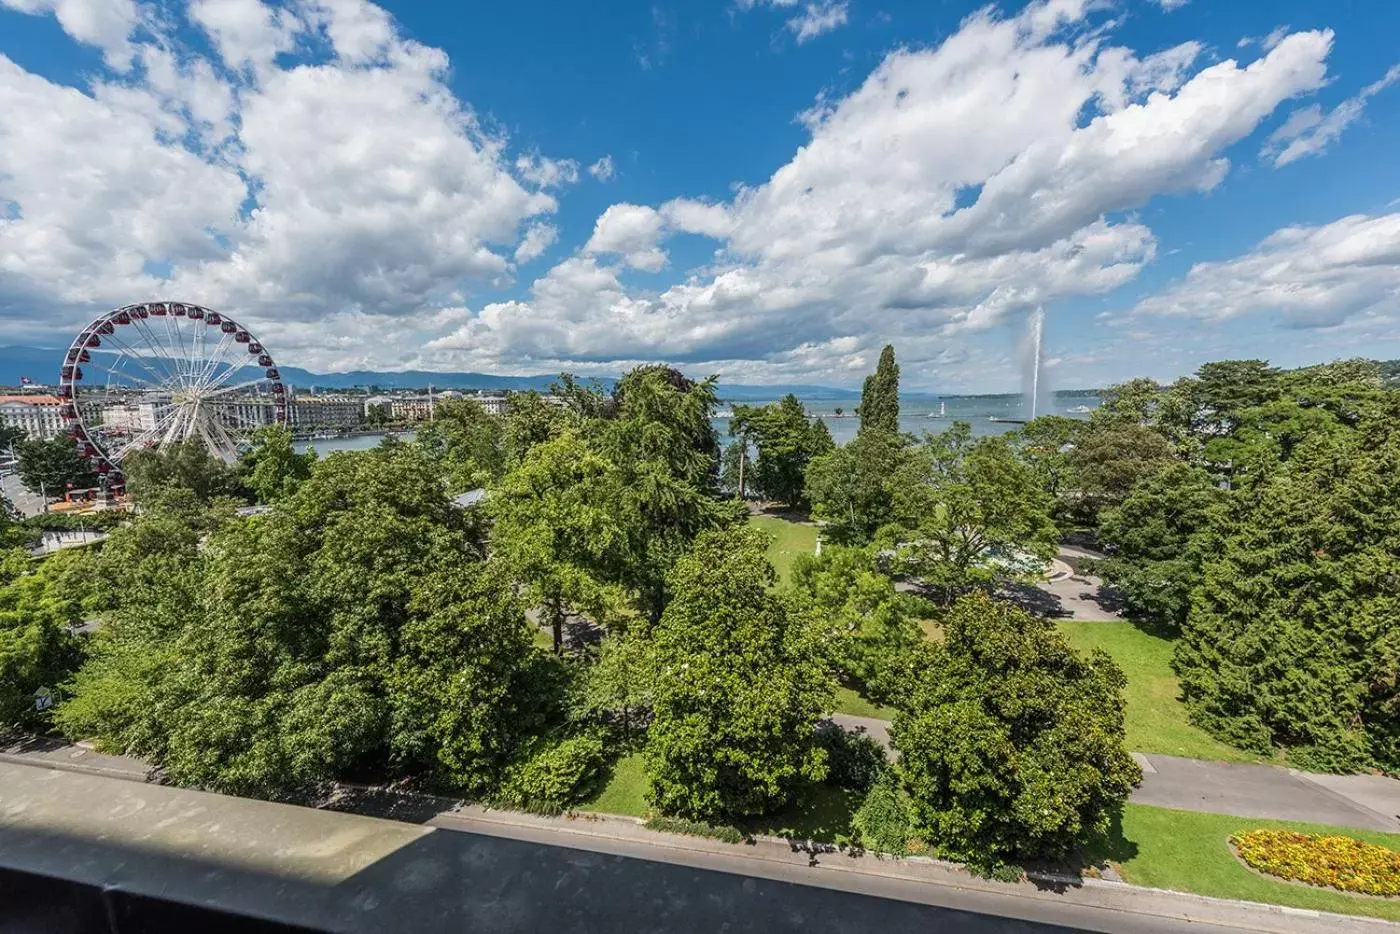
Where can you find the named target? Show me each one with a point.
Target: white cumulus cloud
(631, 230)
(538, 238)
(603, 170)
(812, 18)
(107, 24)
(312, 172)
(1304, 277)
(1308, 131)
(317, 199)
(954, 189)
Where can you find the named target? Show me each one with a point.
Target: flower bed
(1336, 862)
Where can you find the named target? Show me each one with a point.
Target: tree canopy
(356, 626)
(53, 465)
(37, 647)
(188, 465)
(1011, 746)
(273, 469)
(969, 513)
(879, 398)
(1293, 635)
(740, 681)
(1244, 506)
(468, 442)
(871, 625)
(787, 440)
(851, 489)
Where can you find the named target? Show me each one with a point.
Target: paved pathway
(29, 504)
(1369, 801)
(1068, 594)
(58, 754)
(879, 729)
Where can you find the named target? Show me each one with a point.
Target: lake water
(323, 446)
(914, 415)
(978, 411)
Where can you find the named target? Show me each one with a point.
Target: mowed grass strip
(1156, 717)
(850, 702)
(790, 539)
(625, 790)
(1190, 852)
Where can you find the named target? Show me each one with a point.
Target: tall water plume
(1032, 381)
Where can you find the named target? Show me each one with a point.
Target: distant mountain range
(41, 365)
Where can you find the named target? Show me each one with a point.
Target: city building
(325, 412)
(38, 416)
(134, 416)
(246, 412)
(494, 405)
(410, 408)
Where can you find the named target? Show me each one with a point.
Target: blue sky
(768, 189)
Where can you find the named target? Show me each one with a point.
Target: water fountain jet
(1035, 359)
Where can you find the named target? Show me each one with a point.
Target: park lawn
(625, 791)
(789, 540)
(823, 816)
(850, 702)
(1156, 718)
(1188, 852)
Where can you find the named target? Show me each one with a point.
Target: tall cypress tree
(879, 400)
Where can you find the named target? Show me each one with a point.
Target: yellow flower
(1343, 863)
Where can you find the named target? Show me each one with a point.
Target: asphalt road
(692, 890)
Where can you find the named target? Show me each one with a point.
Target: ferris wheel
(151, 375)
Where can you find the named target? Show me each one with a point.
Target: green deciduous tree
(529, 420)
(188, 465)
(739, 686)
(660, 436)
(617, 688)
(968, 514)
(354, 629)
(468, 441)
(787, 440)
(469, 691)
(850, 488)
(883, 823)
(1012, 746)
(561, 523)
(53, 465)
(1110, 457)
(273, 469)
(37, 645)
(1045, 443)
(872, 624)
(879, 398)
(553, 773)
(149, 592)
(376, 415)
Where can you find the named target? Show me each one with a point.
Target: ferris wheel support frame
(185, 374)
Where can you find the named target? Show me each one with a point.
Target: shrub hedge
(691, 828)
(1337, 862)
(553, 774)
